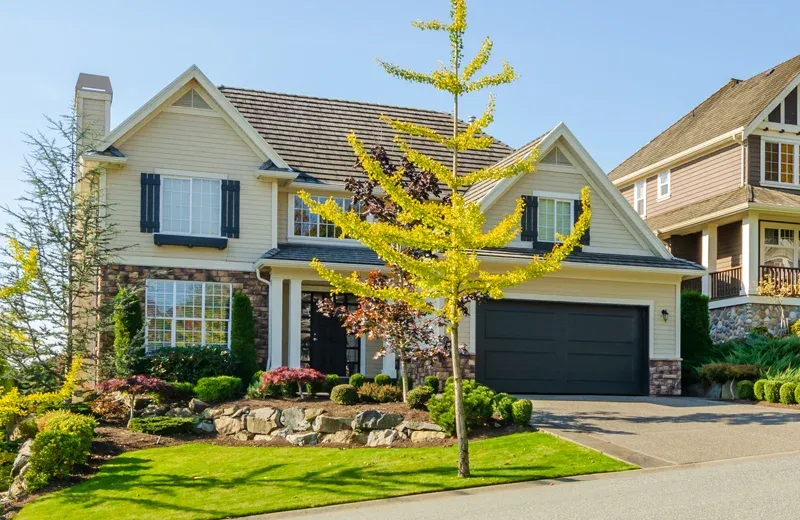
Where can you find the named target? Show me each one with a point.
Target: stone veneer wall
(665, 377)
(738, 320)
(441, 368)
(134, 277)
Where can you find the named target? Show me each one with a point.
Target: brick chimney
(93, 95)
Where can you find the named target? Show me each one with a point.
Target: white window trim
(668, 184)
(556, 197)
(313, 240)
(186, 173)
(779, 226)
(643, 198)
(785, 142)
(191, 187)
(174, 319)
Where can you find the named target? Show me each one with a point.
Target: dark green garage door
(562, 348)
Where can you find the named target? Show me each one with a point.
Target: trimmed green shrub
(161, 425)
(502, 404)
(216, 389)
(448, 382)
(243, 337)
(797, 394)
(744, 390)
(522, 411)
(129, 355)
(772, 390)
(419, 397)
(190, 363)
(477, 406)
(758, 389)
(331, 380)
(723, 372)
(409, 381)
(432, 382)
(356, 380)
(696, 344)
(383, 379)
(344, 394)
(374, 393)
(787, 393)
(181, 391)
(63, 442)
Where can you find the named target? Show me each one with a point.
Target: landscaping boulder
(383, 437)
(154, 410)
(230, 410)
(182, 412)
(281, 433)
(313, 413)
(263, 420)
(326, 424)
(205, 427)
(409, 426)
(262, 438)
(244, 436)
(366, 420)
(228, 425)
(239, 412)
(197, 406)
(426, 436)
(211, 413)
(344, 437)
(303, 438)
(23, 455)
(295, 418)
(388, 420)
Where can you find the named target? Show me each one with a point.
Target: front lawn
(196, 481)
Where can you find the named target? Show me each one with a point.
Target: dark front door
(325, 345)
(562, 348)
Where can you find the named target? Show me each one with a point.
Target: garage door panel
(562, 348)
(520, 324)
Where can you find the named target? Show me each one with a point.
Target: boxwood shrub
(331, 380)
(744, 390)
(797, 394)
(161, 425)
(419, 397)
(522, 411)
(344, 394)
(758, 389)
(357, 379)
(63, 442)
(787, 393)
(189, 363)
(477, 406)
(216, 389)
(383, 379)
(375, 393)
(433, 383)
(772, 390)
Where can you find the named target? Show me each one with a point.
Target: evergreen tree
(243, 338)
(128, 334)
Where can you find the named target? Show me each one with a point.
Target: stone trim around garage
(115, 276)
(665, 377)
(442, 368)
(737, 321)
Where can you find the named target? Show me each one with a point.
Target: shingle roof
(364, 256)
(310, 133)
(479, 190)
(734, 105)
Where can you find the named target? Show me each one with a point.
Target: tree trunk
(405, 380)
(461, 420)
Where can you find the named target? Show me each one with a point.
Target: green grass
(195, 481)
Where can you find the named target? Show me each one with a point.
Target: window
(554, 218)
(640, 197)
(308, 224)
(192, 100)
(191, 206)
(780, 247)
(780, 162)
(663, 185)
(181, 314)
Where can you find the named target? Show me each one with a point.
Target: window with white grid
(308, 224)
(555, 218)
(191, 206)
(187, 313)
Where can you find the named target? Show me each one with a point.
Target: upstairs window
(555, 217)
(663, 185)
(640, 197)
(779, 162)
(308, 224)
(191, 206)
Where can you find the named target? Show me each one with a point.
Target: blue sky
(616, 72)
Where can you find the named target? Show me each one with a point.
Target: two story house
(720, 187)
(202, 183)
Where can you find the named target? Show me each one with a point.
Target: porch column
(708, 256)
(388, 365)
(275, 322)
(295, 311)
(750, 249)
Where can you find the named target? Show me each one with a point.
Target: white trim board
(771, 106)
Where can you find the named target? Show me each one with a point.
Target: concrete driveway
(664, 431)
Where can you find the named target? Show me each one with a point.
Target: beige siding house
(721, 187)
(202, 181)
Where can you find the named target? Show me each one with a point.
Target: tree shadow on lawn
(118, 482)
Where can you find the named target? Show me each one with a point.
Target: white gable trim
(620, 207)
(194, 73)
(769, 108)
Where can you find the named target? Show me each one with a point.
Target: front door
(326, 346)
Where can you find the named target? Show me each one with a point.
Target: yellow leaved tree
(452, 228)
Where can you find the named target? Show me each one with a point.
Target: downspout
(269, 288)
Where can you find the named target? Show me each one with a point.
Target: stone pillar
(665, 377)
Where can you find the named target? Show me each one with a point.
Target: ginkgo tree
(452, 228)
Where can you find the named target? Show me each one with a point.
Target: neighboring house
(720, 187)
(202, 181)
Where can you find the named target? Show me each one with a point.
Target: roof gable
(735, 107)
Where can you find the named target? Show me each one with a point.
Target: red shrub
(291, 376)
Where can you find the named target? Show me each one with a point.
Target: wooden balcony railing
(725, 284)
(693, 284)
(789, 276)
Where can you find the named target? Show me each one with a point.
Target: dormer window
(308, 224)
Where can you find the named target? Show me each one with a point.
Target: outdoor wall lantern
(665, 314)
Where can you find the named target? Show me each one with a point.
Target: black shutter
(149, 212)
(578, 211)
(230, 209)
(530, 225)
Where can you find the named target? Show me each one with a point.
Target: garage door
(562, 348)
